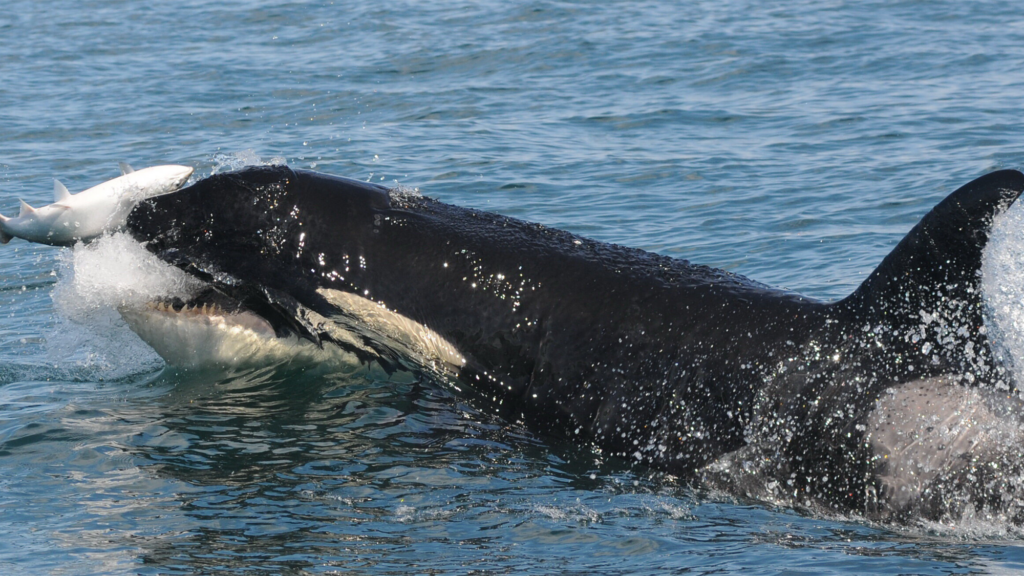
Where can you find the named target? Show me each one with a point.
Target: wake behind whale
(685, 368)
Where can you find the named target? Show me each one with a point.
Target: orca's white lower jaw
(213, 330)
(197, 335)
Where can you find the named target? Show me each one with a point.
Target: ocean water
(792, 142)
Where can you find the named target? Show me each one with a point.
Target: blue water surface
(792, 142)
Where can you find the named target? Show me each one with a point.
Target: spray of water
(226, 162)
(1002, 281)
(93, 280)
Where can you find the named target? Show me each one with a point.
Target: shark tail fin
(125, 168)
(931, 281)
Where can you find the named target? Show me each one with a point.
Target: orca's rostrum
(685, 368)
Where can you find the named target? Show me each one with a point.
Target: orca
(683, 368)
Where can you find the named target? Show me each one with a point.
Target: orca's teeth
(191, 308)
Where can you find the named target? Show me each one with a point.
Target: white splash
(114, 271)
(93, 281)
(1002, 284)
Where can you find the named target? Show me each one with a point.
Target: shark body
(90, 213)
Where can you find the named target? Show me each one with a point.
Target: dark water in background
(793, 142)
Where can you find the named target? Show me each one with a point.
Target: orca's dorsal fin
(926, 295)
(25, 208)
(942, 253)
(125, 168)
(60, 192)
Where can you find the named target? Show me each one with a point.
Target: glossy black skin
(651, 358)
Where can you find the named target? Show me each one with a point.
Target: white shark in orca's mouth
(684, 368)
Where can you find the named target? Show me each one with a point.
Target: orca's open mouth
(212, 306)
(214, 330)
